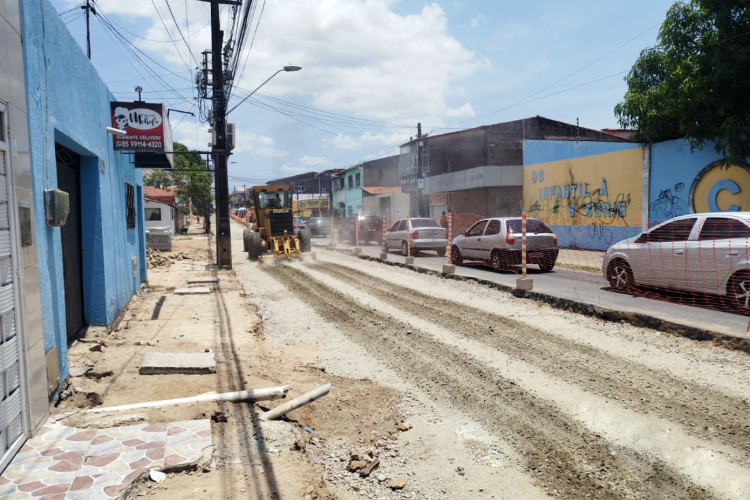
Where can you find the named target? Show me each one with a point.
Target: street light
(285, 68)
(139, 89)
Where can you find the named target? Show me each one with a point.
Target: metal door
(69, 180)
(12, 396)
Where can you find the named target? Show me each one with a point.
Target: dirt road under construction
(510, 398)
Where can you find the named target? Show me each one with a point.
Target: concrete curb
(637, 319)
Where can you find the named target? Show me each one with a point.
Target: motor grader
(273, 228)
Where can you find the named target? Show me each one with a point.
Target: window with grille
(130, 205)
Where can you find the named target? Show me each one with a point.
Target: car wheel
(305, 243)
(456, 258)
(496, 260)
(548, 261)
(404, 249)
(739, 291)
(620, 276)
(255, 247)
(441, 252)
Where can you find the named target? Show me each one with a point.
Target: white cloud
(477, 21)
(313, 161)
(292, 170)
(367, 140)
(260, 145)
(358, 57)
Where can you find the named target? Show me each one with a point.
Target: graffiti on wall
(669, 203)
(579, 203)
(716, 188)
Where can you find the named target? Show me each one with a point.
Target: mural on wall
(590, 202)
(685, 181)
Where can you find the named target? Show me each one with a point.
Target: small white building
(159, 216)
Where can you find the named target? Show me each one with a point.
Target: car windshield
(533, 226)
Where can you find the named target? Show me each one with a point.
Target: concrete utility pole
(88, 8)
(420, 181)
(220, 151)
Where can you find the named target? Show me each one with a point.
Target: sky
(371, 69)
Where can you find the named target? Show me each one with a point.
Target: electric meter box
(57, 206)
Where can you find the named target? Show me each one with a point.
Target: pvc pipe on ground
(296, 403)
(238, 396)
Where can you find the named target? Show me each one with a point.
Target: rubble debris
(369, 468)
(80, 398)
(356, 465)
(80, 371)
(219, 416)
(157, 476)
(403, 427)
(397, 484)
(99, 372)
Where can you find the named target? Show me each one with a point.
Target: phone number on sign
(140, 144)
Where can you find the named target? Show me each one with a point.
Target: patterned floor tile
(82, 464)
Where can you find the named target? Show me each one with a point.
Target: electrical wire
(177, 25)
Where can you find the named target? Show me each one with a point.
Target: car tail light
(509, 238)
(554, 239)
(415, 235)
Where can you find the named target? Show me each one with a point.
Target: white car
(426, 234)
(707, 253)
(497, 242)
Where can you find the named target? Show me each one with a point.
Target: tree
(694, 83)
(190, 178)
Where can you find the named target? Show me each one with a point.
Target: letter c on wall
(713, 195)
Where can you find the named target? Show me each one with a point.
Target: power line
(180, 32)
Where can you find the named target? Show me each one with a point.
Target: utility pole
(420, 181)
(219, 150)
(88, 8)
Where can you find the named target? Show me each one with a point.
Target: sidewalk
(219, 449)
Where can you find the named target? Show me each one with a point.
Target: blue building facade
(68, 109)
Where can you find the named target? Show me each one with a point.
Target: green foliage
(694, 83)
(189, 176)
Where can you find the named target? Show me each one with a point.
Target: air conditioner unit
(230, 136)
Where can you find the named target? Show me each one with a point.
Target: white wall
(167, 216)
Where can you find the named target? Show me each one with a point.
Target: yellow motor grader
(273, 229)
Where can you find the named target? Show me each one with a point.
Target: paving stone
(192, 291)
(188, 363)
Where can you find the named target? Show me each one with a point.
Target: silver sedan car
(497, 241)
(707, 253)
(425, 234)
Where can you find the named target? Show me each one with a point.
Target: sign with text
(143, 123)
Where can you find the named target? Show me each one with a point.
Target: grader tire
(305, 241)
(255, 247)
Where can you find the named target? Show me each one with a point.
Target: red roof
(160, 195)
(381, 190)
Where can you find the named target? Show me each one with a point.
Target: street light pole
(285, 68)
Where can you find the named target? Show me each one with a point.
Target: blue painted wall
(674, 172)
(69, 104)
(535, 151)
(353, 194)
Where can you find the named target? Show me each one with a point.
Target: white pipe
(249, 395)
(296, 403)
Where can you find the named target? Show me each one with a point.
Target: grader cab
(273, 229)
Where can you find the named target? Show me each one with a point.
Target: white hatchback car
(497, 241)
(707, 253)
(426, 234)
